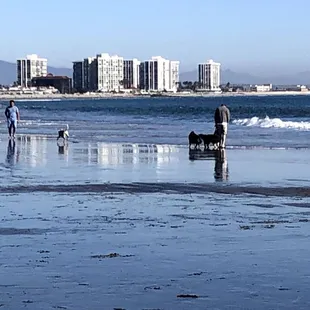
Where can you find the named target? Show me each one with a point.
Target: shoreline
(93, 96)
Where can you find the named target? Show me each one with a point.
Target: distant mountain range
(8, 76)
(246, 78)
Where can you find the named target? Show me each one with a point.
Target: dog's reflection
(62, 148)
(220, 158)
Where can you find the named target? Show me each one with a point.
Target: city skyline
(106, 73)
(257, 39)
(8, 74)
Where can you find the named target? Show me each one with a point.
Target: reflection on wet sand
(117, 154)
(63, 150)
(35, 151)
(12, 157)
(221, 166)
(221, 172)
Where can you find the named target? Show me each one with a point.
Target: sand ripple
(167, 188)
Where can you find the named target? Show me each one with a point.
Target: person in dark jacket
(221, 120)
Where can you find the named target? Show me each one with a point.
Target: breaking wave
(271, 123)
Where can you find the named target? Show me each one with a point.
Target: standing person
(221, 120)
(12, 116)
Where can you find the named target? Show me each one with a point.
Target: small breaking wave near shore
(272, 123)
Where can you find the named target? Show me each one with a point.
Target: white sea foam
(39, 99)
(33, 123)
(271, 123)
(38, 123)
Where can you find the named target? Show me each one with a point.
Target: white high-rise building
(159, 74)
(131, 74)
(101, 73)
(174, 75)
(110, 72)
(30, 67)
(209, 75)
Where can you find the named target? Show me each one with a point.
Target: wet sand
(117, 227)
(38, 161)
(164, 188)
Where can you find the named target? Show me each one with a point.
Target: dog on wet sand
(195, 139)
(63, 133)
(210, 139)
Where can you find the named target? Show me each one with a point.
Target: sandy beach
(122, 226)
(4, 97)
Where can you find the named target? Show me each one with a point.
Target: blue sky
(244, 35)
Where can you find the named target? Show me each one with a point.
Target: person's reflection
(10, 156)
(221, 166)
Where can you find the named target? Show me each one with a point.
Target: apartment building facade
(209, 75)
(30, 67)
(159, 74)
(102, 73)
(131, 79)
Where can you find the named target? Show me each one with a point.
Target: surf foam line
(247, 147)
(164, 188)
(271, 123)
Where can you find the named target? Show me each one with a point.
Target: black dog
(210, 139)
(193, 138)
(63, 133)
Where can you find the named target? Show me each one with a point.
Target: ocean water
(264, 121)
